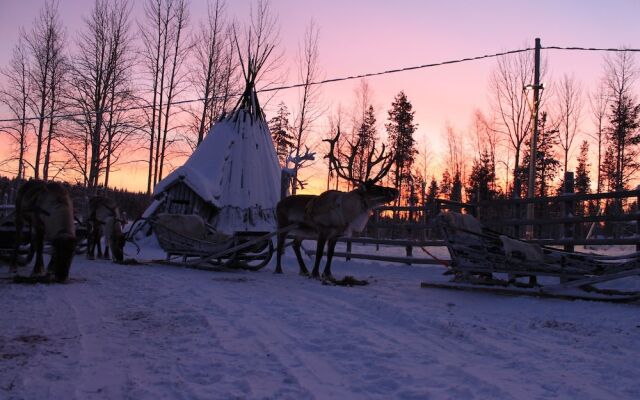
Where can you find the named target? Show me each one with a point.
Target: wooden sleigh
(484, 260)
(202, 247)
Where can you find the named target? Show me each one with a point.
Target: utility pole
(534, 139)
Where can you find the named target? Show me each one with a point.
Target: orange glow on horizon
(400, 34)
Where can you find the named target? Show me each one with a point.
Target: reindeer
(333, 213)
(48, 210)
(105, 220)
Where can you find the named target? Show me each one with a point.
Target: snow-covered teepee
(232, 179)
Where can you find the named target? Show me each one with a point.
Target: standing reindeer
(333, 213)
(105, 220)
(48, 209)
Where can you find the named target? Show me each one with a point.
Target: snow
(235, 168)
(153, 332)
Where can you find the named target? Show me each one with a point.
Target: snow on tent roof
(235, 168)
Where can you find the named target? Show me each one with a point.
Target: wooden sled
(8, 240)
(203, 248)
(484, 260)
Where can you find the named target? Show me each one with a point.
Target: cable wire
(589, 48)
(293, 86)
(345, 78)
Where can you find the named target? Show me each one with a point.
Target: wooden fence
(567, 220)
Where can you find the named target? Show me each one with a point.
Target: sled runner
(197, 245)
(482, 259)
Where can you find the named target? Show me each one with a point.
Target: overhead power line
(297, 85)
(589, 48)
(347, 78)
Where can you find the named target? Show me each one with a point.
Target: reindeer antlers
(372, 158)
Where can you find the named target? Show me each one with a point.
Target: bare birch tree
(154, 33)
(45, 41)
(213, 74)
(164, 49)
(599, 104)
(510, 101)
(99, 77)
(568, 111)
(57, 86)
(16, 96)
(176, 76)
(621, 73)
(487, 141)
(308, 97)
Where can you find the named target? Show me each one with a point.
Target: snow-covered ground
(153, 332)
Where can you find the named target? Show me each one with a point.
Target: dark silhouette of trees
(401, 129)
(582, 182)
(213, 73)
(510, 102)
(446, 184)
(547, 163)
(622, 134)
(432, 191)
(100, 84)
(599, 104)
(480, 185)
(16, 95)
(164, 49)
(46, 42)
(309, 102)
(281, 134)
(567, 115)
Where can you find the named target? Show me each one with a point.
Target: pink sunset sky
(362, 36)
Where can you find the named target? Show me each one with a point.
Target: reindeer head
(375, 195)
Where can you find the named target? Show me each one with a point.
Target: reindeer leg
(106, 249)
(279, 252)
(297, 243)
(319, 250)
(38, 268)
(99, 242)
(51, 267)
(91, 245)
(331, 246)
(16, 248)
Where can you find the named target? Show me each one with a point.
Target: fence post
(376, 219)
(516, 207)
(569, 210)
(638, 220)
(348, 255)
(409, 249)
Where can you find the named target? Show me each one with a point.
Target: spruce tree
(480, 185)
(582, 180)
(401, 129)
(432, 192)
(547, 164)
(280, 133)
(456, 187)
(624, 138)
(366, 135)
(445, 184)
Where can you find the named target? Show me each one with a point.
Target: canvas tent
(232, 179)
